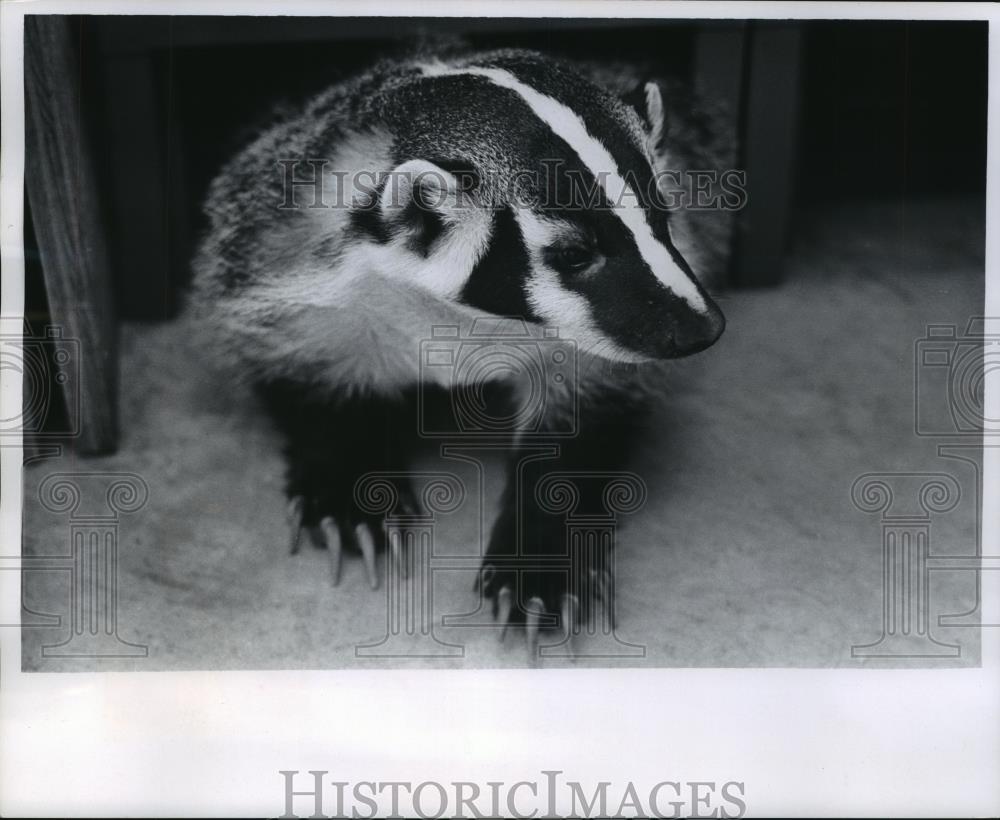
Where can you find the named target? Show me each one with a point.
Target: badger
(464, 190)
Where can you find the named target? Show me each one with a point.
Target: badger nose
(698, 331)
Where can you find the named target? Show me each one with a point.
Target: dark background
(892, 109)
(886, 110)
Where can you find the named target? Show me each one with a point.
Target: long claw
(608, 586)
(570, 617)
(331, 537)
(367, 545)
(296, 510)
(603, 593)
(597, 583)
(570, 612)
(399, 559)
(534, 610)
(503, 610)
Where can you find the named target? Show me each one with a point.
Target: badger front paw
(540, 579)
(330, 510)
(331, 443)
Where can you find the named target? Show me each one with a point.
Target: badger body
(491, 190)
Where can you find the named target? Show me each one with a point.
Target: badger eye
(573, 258)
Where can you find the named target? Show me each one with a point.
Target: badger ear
(648, 101)
(416, 184)
(420, 198)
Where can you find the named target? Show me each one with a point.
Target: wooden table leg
(62, 190)
(768, 141)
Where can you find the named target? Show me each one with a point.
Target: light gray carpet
(748, 551)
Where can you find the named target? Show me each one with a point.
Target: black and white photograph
(605, 341)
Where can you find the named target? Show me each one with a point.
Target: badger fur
(427, 194)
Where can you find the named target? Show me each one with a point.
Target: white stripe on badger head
(568, 126)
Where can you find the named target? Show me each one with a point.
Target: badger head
(521, 189)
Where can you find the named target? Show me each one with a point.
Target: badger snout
(653, 323)
(696, 331)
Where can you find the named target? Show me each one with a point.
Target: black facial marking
(417, 219)
(497, 283)
(570, 260)
(367, 222)
(575, 254)
(422, 224)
